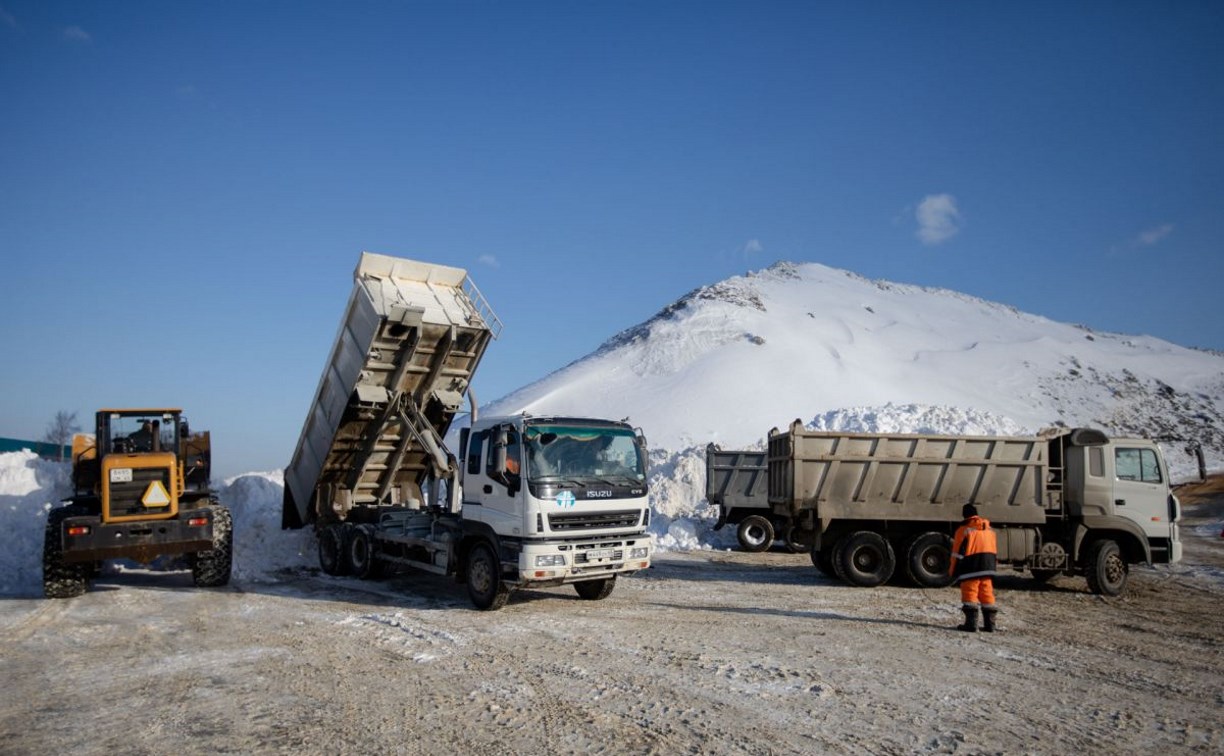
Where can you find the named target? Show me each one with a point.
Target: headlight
(550, 560)
(640, 552)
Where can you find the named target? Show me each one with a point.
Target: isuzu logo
(599, 494)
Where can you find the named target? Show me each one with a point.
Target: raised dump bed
(411, 338)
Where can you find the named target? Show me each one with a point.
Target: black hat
(968, 511)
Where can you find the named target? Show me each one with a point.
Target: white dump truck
(1067, 501)
(528, 502)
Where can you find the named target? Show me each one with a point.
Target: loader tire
(1105, 568)
(927, 558)
(211, 568)
(332, 557)
(61, 579)
(755, 533)
(866, 559)
(595, 590)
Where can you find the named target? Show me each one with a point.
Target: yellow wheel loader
(141, 485)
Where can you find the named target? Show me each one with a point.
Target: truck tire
(485, 586)
(1105, 568)
(823, 559)
(790, 536)
(755, 533)
(866, 559)
(211, 568)
(595, 590)
(61, 579)
(332, 558)
(926, 560)
(361, 552)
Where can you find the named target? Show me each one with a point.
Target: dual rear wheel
(866, 559)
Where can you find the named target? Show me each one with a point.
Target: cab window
(1137, 464)
(512, 456)
(475, 450)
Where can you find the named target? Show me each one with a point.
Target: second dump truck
(527, 502)
(1068, 501)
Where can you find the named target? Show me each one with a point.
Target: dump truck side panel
(860, 476)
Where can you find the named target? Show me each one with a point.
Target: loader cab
(139, 431)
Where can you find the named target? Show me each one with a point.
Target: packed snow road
(708, 652)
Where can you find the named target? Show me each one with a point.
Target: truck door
(1141, 491)
(498, 491)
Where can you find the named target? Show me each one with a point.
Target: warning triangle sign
(155, 495)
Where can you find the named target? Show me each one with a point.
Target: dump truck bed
(736, 478)
(410, 340)
(862, 476)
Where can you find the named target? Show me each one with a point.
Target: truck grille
(125, 497)
(627, 519)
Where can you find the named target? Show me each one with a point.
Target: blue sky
(185, 188)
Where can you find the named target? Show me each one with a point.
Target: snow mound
(29, 488)
(262, 551)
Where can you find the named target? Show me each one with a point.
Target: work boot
(970, 625)
(988, 619)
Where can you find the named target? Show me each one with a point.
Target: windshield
(555, 451)
(143, 432)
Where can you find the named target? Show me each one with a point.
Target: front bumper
(575, 561)
(141, 541)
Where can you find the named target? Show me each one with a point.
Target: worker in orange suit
(974, 553)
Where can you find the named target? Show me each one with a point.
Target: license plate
(595, 554)
(121, 475)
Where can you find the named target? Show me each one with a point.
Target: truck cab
(567, 496)
(1122, 486)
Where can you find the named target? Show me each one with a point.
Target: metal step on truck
(1072, 502)
(528, 501)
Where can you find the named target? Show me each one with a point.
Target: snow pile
(728, 361)
(29, 488)
(262, 551)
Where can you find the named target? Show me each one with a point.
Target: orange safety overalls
(974, 553)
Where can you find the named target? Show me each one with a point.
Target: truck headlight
(641, 552)
(550, 560)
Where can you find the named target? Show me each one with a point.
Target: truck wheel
(61, 579)
(790, 536)
(823, 559)
(331, 550)
(867, 559)
(361, 552)
(755, 533)
(484, 583)
(595, 590)
(926, 560)
(211, 568)
(1105, 569)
